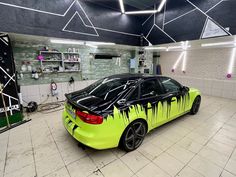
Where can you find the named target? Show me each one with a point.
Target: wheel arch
(135, 120)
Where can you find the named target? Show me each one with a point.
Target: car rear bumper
(97, 138)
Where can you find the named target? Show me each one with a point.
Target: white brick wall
(206, 69)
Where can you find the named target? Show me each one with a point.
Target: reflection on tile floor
(191, 146)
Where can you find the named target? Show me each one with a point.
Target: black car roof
(133, 76)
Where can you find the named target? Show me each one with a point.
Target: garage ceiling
(141, 4)
(129, 4)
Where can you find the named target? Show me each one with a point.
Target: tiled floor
(191, 146)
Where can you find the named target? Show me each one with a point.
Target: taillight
(89, 118)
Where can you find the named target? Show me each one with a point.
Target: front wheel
(133, 136)
(196, 105)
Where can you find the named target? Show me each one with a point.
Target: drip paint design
(142, 110)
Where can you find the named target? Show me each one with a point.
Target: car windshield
(107, 89)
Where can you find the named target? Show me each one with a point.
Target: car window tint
(170, 85)
(150, 88)
(106, 88)
(134, 95)
(114, 92)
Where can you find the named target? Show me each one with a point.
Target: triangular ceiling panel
(77, 24)
(211, 29)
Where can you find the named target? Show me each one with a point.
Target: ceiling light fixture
(141, 12)
(155, 48)
(161, 5)
(101, 43)
(64, 41)
(122, 8)
(90, 45)
(218, 44)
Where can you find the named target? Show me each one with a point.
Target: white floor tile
(169, 164)
(59, 173)
(82, 167)
(27, 171)
(227, 174)
(49, 164)
(180, 153)
(205, 167)
(149, 150)
(216, 157)
(152, 171)
(116, 169)
(231, 166)
(189, 172)
(102, 158)
(135, 160)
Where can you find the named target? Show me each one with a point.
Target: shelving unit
(55, 61)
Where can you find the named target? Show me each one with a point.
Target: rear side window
(170, 85)
(107, 89)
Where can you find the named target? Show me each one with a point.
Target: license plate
(71, 111)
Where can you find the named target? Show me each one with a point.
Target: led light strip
(231, 64)
(90, 45)
(183, 56)
(122, 9)
(184, 62)
(177, 62)
(155, 48)
(218, 44)
(74, 42)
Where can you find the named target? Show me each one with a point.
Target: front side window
(134, 95)
(150, 88)
(170, 85)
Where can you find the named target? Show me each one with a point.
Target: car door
(173, 97)
(148, 95)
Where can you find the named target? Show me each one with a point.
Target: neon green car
(119, 110)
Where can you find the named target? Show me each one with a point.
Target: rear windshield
(107, 89)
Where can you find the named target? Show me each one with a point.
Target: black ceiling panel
(158, 37)
(188, 27)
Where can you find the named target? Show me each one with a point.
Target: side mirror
(184, 88)
(121, 102)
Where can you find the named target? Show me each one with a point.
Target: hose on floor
(51, 107)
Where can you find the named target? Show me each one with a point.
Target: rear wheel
(196, 105)
(133, 136)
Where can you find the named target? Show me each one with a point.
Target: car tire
(133, 135)
(196, 105)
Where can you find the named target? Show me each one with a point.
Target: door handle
(173, 99)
